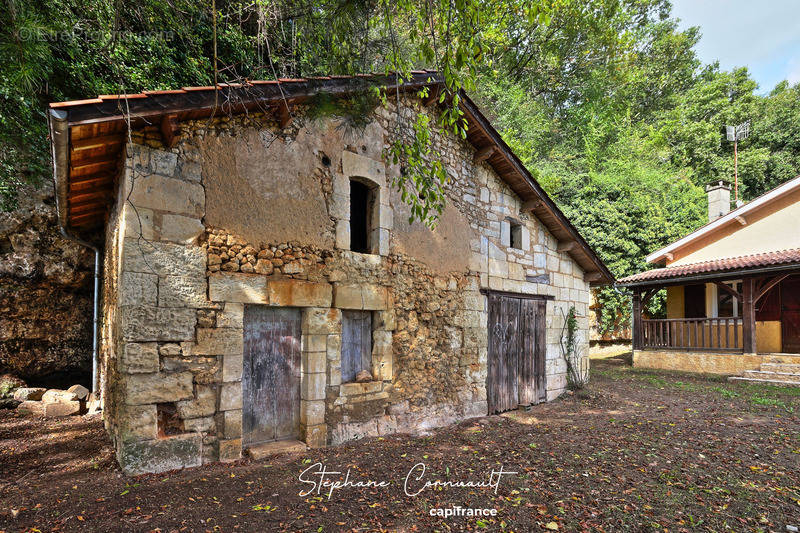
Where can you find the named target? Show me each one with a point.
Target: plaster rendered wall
(243, 212)
(675, 303)
(768, 336)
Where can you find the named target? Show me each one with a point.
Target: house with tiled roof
(733, 291)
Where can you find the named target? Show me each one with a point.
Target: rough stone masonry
(242, 212)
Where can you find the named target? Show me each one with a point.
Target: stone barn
(262, 284)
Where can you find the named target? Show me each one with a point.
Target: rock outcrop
(45, 292)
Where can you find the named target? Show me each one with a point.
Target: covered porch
(723, 318)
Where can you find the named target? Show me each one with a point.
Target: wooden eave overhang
(89, 138)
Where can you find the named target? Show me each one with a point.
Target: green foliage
(577, 375)
(354, 110)
(422, 179)
(611, 110)
(571, 326)
(604, 101)
(97, 47)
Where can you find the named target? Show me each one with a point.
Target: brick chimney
(719, 199)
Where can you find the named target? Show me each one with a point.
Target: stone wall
(45, 294)
(188, 254)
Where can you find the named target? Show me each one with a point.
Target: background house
(733, 291)
(262, 281)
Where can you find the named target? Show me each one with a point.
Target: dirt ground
(637, 451)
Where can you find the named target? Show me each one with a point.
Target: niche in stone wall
(169, 423)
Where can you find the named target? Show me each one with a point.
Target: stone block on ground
(25, 394)
(31, 408)
(160, 455)
(79, 391)
(93, 404)
(268, 449)
(61, 408)
(57, 395)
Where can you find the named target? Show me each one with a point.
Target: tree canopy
(605, 101)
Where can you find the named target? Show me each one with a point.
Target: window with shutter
(356, 343)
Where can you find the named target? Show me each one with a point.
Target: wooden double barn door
(516, 365)
(271, 374)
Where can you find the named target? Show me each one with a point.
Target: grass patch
(771, 402)
(764, 388)
(727, 393)
(754, 394)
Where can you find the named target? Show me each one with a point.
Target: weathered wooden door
(790, 314)
(516, 365)
(271, 374)
(356, 343)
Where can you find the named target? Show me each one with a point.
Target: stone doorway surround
(321, 304)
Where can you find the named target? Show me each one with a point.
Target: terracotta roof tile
(782, 257)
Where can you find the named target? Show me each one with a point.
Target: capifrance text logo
(457, 510)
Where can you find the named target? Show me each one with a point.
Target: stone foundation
(727, 364)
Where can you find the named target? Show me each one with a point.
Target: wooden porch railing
(697, 334)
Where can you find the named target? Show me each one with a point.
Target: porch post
(636, 313)
(748, 316)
